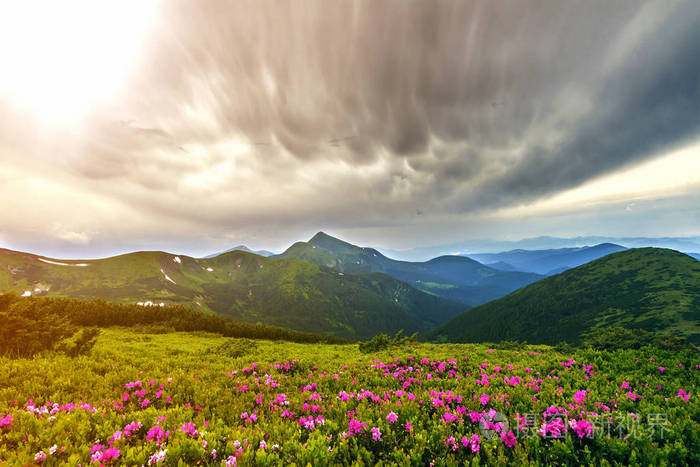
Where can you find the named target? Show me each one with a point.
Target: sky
(195, 126)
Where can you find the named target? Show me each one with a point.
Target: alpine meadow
(387, 232)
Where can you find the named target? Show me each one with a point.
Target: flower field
(197, 398)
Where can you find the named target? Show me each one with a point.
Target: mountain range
(647, 288)
(547, 262)
(292, 293)
(330, 286)
(470, 247)
(454, 277)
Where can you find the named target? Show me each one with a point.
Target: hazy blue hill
(502, 266)
(264, 253)
(547, 262)
(683, 244)
(454, 277)
(648, 288)
(294, 294)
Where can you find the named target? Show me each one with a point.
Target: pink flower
(39, 456)
(684, 395)
(376, 434)
(157, 434)
(582, 428)
(355, 427)
(109, 454)
(131, 428)
(6, 421)
(159, 457)
(580, 397)
(116, 437)
(508, 439)
(484, 399)
(392, 417)
(190, 429)
(474, 443)
(409, 426)
(662, 369)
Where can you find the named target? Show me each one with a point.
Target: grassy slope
(649, 288)
(294, 294)
(453, 277)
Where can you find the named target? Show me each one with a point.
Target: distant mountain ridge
(470, 247)
(264, 253)
(547, 262)
(653, 289)
(453, 277)
(293, 294)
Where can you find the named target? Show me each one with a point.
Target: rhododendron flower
(580, 397)
(116, 436)
(582, 428)
(213, 453)
(53, 449)
(157, 434)
(508, 439)
(263, 445)
(108, 455)
(6, 421)
(661, 369)
(356, 427)
(474, 443)
(190, 429)
(39, 456)
(556, 428)
(484, 399)
(376, 434)
(159, 457)
(97, 448)
(132, 427)
(684, 395)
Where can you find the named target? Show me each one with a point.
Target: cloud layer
(243, 119)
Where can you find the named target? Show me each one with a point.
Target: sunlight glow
(59, 59)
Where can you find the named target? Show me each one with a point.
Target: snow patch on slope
(167, 278)
(78, 265)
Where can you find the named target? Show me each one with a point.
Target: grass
(214, 380)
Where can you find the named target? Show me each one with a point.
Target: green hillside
(290, 293)
(453, 277)
(647, 288)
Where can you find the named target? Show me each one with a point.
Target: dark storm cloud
(651, 105)
(413, 79)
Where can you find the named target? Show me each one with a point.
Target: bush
(616, 338)
(80, 343)
(383, 342)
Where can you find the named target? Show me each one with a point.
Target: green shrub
(383, 342)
